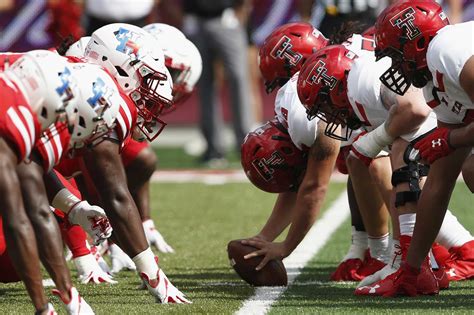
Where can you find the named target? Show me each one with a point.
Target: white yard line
(316, 238)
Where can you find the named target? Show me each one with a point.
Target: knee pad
(410, 174)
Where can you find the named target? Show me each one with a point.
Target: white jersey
(360, 45)
(447, 53)
(291, 113)
(363, 91)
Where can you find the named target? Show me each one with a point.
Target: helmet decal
(99, 90)
(318, 73)
(282, 50)
(266, 167)
(127, 42)
(65, 88)
(404, 20)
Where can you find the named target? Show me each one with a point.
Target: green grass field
(198, 220)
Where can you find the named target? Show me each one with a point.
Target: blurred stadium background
(32, 24)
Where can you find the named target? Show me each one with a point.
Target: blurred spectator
(23, 25)
(103, 12)
(213, 26)
(65, 20)
(336, 12)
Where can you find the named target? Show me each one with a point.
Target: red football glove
(435, 145)
(341, 160)
(347, 270)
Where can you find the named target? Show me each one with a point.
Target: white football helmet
(47, 84)
(182, 59)
(97, 107)
(78, 48)
(136, 61)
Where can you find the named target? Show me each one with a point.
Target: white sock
(452, 233)
(358, 245)
(407, 223)
(145, 262)
(395, 254)
(379, 247)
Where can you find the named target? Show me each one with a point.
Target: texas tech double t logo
(404, 20)
(318, 73)
(282, 50)
(266, 166)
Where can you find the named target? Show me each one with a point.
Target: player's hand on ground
(269, 250)
(155, 239)
(92, 219)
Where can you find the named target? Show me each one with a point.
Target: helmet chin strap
(421, 78)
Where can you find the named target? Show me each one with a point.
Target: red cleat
(347, 270)
(369, 267)
(460, 265)
(441, 277)
(440, 253)
(406, 281)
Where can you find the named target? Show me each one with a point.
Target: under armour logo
(435, 143)
(404, 20)
(318, 73)
(282, 50)
(451, 272)
(266, 167)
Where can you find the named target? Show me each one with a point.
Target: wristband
(65, 200)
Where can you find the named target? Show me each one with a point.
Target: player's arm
(280, 217)
(309, 199)
(104, 165)
(406, 114)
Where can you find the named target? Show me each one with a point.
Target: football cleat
(347, 270)
(163, 290)
(120, 260)
(155, 238)
(440, 253)
(390, 268)
(75, 305)
(441, 277)
(369, 267)
(460, 264)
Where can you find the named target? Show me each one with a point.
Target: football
(273, 274)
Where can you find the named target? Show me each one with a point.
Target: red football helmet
(270, 159)
(285, 50)
(369, 33)
(322, 88)
(403, 32)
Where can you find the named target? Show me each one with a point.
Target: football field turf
(198, 220)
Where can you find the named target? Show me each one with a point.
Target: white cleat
(379, 275)
(89, 271)
(120, 260)
(48, 311)
(163, 290)
(76, 305)
(155, 238)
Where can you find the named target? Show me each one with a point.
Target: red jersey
(53, 145)
(18, 124)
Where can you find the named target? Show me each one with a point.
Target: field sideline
(199, 219)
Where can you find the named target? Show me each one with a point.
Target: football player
(391, 120)
(415, 34)
(38, 89)
(135, 60)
